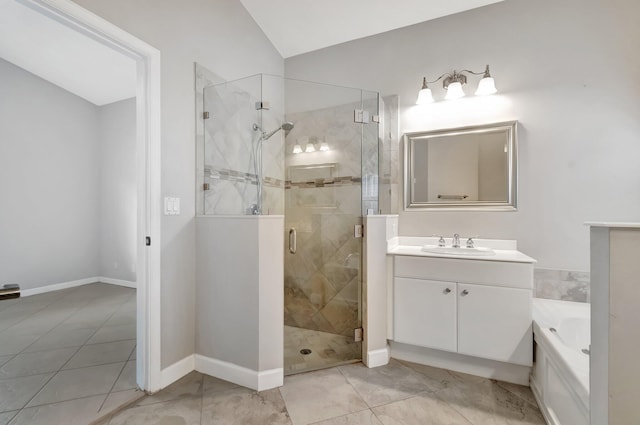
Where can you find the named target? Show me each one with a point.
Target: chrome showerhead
(287, 126)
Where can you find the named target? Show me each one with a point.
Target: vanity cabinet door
(424, 313)
(495, 323)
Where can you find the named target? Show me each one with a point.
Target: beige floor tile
(61, 339)
(117, 399)
(365, 417)
(74, 412)
(422, 409)
(384, 384)
(35, 363)
(187, 387)
(315, 396)
(13, 343)
(74, 383)
(175, 412)
(127, 378)
(15, 393)
(520, 390)
(97, 354)
(7, 416)
(4, 359)
(241, 406)
(488, 403)
(113, 333)
(438, 379)
(211, 384)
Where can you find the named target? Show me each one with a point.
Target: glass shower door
(323, 209)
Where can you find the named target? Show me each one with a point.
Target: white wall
(221, 36)
(48, 174)
(568, 71)
(116, 132)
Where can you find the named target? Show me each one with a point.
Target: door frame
(148, 168)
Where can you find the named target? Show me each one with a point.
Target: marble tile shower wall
(231, 154)
(322, 280)
(562, 285)
(389, 159)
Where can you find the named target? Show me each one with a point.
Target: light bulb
(324, 146)
(486, 86)
(454, 91)
(424, 97)
(297, 148)
(310, 148)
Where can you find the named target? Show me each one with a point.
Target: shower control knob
(447, 290)
(465, 292)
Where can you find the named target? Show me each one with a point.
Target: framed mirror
(462, 168)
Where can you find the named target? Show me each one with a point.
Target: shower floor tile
(326, 350)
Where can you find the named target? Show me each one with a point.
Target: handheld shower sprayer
(286, 126)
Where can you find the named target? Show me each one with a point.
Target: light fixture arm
(457, 77)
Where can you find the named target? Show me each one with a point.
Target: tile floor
(326, 350)
(400, 393)
(67, 354)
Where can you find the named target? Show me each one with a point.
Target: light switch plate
(171, 205)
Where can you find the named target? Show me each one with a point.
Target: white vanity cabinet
(426, 313)
(474, 307)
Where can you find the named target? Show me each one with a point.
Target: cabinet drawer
(496, 273)
(425, 313)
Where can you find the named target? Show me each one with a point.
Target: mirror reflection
(471, 167)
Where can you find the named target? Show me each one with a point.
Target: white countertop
(505, 250)
(628, 225)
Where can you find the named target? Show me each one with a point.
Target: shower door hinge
(147, 240)
(358, 230)
(375, 118)
(205, 186)
(357, 334)
(361, 116)
(262, 105)
(205, 115)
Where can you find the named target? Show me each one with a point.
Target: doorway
(147, 166)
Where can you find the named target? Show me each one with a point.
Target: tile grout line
(60, 369)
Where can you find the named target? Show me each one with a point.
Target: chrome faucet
(455, 243)
(441, 242)
(470, 242)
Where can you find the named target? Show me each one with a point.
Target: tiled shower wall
(389, 158)
(230, 144)
(322, 280)
(562, 285)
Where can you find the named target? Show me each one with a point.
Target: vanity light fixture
(310, 148)
(324, 146)
(297, 148)
(453, 84)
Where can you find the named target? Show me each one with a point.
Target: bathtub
(560, 376)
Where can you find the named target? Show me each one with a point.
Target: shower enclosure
(310, 152)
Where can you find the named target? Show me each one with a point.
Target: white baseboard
(249, 378)
(74, 283)
(176, 371)
(485, 368)
(58, 286)
(377, 358)
(119, 282)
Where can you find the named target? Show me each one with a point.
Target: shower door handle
(292, 241)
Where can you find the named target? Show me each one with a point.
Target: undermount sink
(449, 250)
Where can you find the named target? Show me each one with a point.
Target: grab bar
(292, 240)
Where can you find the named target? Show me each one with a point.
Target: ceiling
(95, 72)
(63, 56)
(300, 26)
